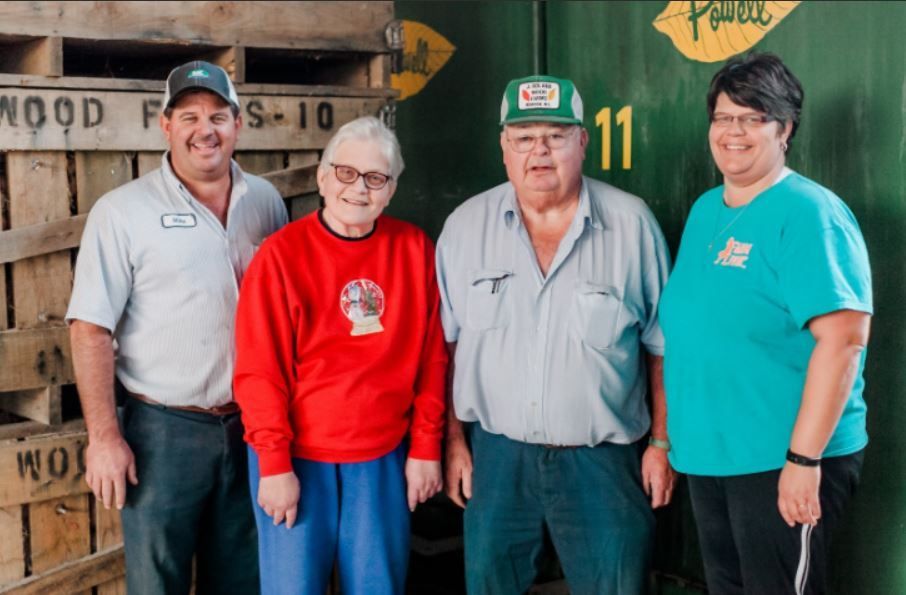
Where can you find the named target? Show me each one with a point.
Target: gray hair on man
(367, 128)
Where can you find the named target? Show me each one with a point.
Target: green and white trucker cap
(541, 99)
(199, 75)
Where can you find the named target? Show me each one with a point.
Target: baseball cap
(541, 98)
(200, 75)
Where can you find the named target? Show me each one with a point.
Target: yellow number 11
(624, 119)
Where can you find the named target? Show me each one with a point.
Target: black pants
(748, 548)
(192, 498)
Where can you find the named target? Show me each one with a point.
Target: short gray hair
(367, 128)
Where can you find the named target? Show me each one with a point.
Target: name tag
(178, 220)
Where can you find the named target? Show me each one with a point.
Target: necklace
(728, 225)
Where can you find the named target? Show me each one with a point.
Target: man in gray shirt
(549, 287)
(154, 298)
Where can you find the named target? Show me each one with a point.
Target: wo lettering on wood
(41, 468)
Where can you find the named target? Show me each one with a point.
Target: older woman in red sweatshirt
(340, 377)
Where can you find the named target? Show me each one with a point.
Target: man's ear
(165, 126)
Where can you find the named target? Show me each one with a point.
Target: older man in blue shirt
(550, 284)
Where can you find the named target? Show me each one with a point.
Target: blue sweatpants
(352, 513)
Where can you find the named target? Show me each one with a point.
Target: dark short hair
(168, 112)
(763, 82)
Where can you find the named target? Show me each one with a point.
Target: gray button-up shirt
(556, 359)
(159, 271)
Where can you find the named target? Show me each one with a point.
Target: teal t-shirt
(746, 282)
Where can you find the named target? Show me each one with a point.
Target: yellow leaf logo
(552, 94)
(715, 30)
(425, 51)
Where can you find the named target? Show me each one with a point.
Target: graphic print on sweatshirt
(362, 301)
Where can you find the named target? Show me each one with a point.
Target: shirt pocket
(597, 313)
(486, 295)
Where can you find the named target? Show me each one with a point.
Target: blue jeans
(192, 499)
(352, 513)
(590, 499)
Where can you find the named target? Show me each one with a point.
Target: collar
(240, 186)
(587, 212)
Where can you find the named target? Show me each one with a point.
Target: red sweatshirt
(339, 346)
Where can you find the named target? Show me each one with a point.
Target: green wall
(851, 59)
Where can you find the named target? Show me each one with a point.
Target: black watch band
(804, 461)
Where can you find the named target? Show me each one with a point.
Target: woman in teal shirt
(766, 318)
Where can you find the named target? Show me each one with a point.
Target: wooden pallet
(80, 95)
(53, 536)
(276, 42)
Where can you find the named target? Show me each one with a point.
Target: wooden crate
(81, 85)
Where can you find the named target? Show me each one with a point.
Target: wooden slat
(56, 120)
(302, 158)
(302, 206)
(12, 550)
(40, 55)
(99, 172)
(43, 405)
(295, 181)
(35, 358)
(379, 71)
(44, 238)
(41, 469)
(79, 574)
(109, 527)
(60, 532)
(230, 59)
(109, 534)
(259, 162)
(4, 321)
(307, 25)
(28, 429)
(148, 161)
(157, 86)
(114, 587)
(39, 193)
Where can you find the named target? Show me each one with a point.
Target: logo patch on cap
(539, 95)
(199, 73)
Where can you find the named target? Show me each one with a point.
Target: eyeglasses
(745, 120)
(374, 180)
(523, 143)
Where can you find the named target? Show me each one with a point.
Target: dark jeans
(748, 548)
(590, 499)
(192, 498)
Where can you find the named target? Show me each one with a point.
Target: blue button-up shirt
(555, 359)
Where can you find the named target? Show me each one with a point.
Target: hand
(797, 494)
(658, 477)
(278, 496)
(458, 471)
(108, 463)
(423, 480)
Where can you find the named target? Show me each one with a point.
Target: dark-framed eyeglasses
(523, 143)
(374, 180)
(747, 121)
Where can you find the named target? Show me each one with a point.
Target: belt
(219, 411)
(562, 446)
